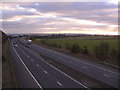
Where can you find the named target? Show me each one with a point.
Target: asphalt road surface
(99, 72)
(33, 72)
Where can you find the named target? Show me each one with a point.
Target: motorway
(94, 70)
(34, 72)
(47, 76)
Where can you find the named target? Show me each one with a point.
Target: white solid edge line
(27, 68)
(111, 64)
(91, 65)
(64, 74)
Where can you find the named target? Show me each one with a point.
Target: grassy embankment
(9, 79)
(89, 41)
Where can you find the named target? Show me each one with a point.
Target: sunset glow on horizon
(61, 17)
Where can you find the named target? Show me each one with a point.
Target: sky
(60, 17)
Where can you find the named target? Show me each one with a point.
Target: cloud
(59, 17)
(98, 11)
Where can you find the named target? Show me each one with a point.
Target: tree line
(101, 51)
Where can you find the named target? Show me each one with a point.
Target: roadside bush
(49, 44)
(43, 42)
(75, 48)
(105, 48)
(102, 50)
(97, 51)
(85, 50)
(59, 46)
(54, 45)
(67, 46)
(118, 55)
(114, 53)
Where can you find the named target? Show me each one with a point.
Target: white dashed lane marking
(32, 60)
(45, 72)
(27, 68)
(37, 65)
(59, 83)
(107, 75)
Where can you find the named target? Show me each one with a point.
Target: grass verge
(89, 58)
(9, 79)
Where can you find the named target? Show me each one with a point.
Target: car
(16, 45)
(29, 42)
(14, 42)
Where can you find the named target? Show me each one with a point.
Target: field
(89, 41)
